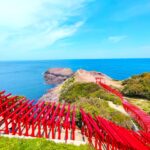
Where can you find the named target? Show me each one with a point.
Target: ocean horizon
(26, 77)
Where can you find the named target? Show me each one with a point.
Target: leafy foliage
(77, 90)
(36, 144)
(137, 86)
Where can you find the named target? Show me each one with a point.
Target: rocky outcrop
(89, 76)
(52, 95)
(57, 75)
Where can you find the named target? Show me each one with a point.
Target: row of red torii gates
(139, 115)
(18, 116)
(50, 120)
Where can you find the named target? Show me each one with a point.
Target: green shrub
(77, 90)
(137, 86)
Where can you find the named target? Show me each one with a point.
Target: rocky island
(57, 75)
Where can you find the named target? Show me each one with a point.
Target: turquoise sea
(26, 77)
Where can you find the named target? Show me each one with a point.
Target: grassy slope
(96, 106)
(73, 92)
(93, 99)
(36, 144)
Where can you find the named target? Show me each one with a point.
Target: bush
(77, 90)
(137, 86)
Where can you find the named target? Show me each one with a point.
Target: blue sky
(74, 29)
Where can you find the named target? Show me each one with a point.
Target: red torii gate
(66, 123)
(13, 114)
(51, 122)
(4, 104)
(73, 122)
(23, 117)
(19, 115)
(58, 121)
(38, 119)
(31, 117)
(139, 115)
(45, 118)
(104, 134)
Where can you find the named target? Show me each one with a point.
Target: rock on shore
(52, 95)
(57, 75)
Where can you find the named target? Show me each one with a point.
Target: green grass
(73, 92)
(36, 144)
(96, 107)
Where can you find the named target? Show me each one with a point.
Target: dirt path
(117, 107)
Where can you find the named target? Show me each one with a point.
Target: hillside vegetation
(73, 92)
(36, 144)
(137, 86)
(93, 99)
(96, 107)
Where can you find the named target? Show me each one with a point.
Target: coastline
(26, 78)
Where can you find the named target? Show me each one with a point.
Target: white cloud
(38, 23)
(116, 39)
(17, 14)
(47, 37)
